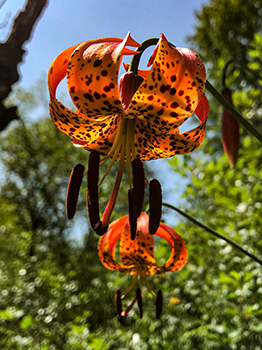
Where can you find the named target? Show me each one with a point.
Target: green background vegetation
(55, 293)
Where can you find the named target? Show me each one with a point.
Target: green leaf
(6, 314)
(26, 322)
(236, 275)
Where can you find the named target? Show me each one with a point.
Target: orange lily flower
(137, 256)
(138, 120)
(137, 117)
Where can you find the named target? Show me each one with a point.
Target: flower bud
(230, 130)
(128, 84)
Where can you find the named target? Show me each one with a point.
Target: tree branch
(12, 54)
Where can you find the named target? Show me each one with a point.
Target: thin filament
(130, 287)
(124, 313)
(110, 164)
(150, 289)
(117, 140)
(112, 200)
(128, 156)
(131, 131)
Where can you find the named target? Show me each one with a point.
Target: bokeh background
(54, 292)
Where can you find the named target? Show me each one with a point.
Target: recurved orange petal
(171, 91)
(107, 244)
(149, 146)
(179, 253)
(138, 253)
(97, 135)
(93, 135)
(92, 76)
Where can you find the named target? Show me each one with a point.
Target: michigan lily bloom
(137, 256)
(136, 116)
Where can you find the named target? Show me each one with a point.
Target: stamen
(118, 304)
(136, 195)
(112, 162)
(159, 304)
(111, 203)
(132, 217)
(124, 313)
(139, 302)
(92, 189)
(117, 140)
(130, 287)
(128, 166)
(73, 189)
(127, 153)
(139, 186)
(150, 289)
(155, 205)
(131, 132)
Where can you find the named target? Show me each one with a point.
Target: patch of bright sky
(66, 23)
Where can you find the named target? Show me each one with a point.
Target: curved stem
(233, 112)
(136, 58)
(213, 232)
(224, 75)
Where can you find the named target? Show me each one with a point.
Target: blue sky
(66, 23)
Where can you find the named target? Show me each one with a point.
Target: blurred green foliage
(54, 292)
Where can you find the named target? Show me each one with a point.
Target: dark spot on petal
(97, 63)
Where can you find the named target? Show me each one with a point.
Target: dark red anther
(159, 304)
(132, 218)
(99, 229)
(138, 186)
(118, 304)
(139, 302)
(73, 189)
(92, 189)
(155, 205)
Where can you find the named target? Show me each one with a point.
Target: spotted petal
(76, 125)
(107, 244)
(178, 256)
(137, 256)
(92, 76)
(138, 253)
(171, 90)
(149, 146)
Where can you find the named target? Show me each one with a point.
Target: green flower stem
(232, 111)
(213, 232)
(136, 58)
(224, 75)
